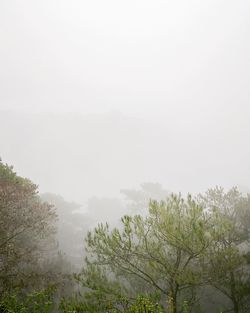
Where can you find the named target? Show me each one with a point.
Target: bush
(35, 302)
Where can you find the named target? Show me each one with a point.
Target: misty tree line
(170, 254)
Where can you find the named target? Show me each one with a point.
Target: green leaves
(181, 245)
(226, 261)
(34, 302)
(27, 229)
(160, 252)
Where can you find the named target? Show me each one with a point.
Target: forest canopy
(184, 254)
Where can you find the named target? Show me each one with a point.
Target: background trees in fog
(180, 254)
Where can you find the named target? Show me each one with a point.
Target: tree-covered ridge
(179, 249)
(26, 227)
(185, 254)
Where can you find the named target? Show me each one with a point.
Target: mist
(108, 105)
(159, 92)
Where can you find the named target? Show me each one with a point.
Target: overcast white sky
(184, 62)
(141, 57)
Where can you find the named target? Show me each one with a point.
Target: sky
(183, 64)
(140, 57)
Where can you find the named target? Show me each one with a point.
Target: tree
(71, 228)
(228, 259)
(139, 199)
(158, 254)
(33, 302)
(26, 231)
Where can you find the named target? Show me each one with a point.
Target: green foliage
(227, 259)
(141, 304)
(144, 305)
(175, 251)
(34, 302)
(158, 253)
(183, 248)
(29, 256)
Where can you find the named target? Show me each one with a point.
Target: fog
(106, 105)
(96, 96)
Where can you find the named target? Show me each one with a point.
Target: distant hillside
(79, 156)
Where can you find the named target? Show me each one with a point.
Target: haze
(157, 91)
